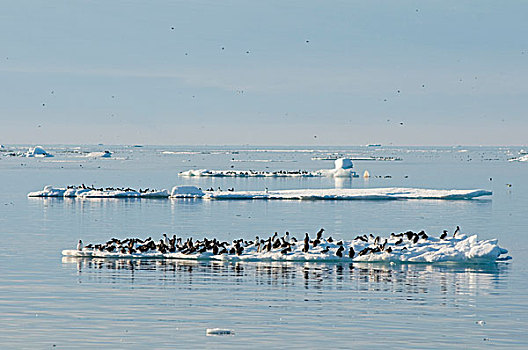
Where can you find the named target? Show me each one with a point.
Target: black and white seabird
(320, 234)
(340, 251)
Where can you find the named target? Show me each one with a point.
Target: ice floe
(350, 194)
(523, 158)
(408, 247)
(357, 158)
(104, 154)
(343, 168)
(92, 192)
(299, 194)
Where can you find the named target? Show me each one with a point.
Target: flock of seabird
(244, 173)
(274, 243)
(102, 189)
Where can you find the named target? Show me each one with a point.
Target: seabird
(339, 252)
(443, 235)
(456, 231)
(80, 245)
(320, 234)
(306, 243)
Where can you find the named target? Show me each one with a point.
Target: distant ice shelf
(391, 193)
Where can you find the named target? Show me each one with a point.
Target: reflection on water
(409, 279)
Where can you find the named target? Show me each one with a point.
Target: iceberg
(343, 163)
(406, 247)
(38, 152)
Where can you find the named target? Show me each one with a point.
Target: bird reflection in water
(410, 280)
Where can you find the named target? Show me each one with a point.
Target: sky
(264, 72)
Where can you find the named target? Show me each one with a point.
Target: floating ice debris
(219, 331)
(405, 247)
(301, 194)
(105, 154)
(38, 152)
(343, 168)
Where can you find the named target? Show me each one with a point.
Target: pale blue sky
(154, 72)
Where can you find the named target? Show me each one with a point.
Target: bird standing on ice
(80, 245)
(456, 231)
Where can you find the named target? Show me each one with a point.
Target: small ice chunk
(219, 331)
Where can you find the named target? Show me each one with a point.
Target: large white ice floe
(343, 168)
(416, 248)
(300, 194)
(350, 194)
(38, 152)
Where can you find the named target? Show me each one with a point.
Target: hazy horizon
(273, 73)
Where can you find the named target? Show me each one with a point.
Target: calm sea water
(47, 301)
